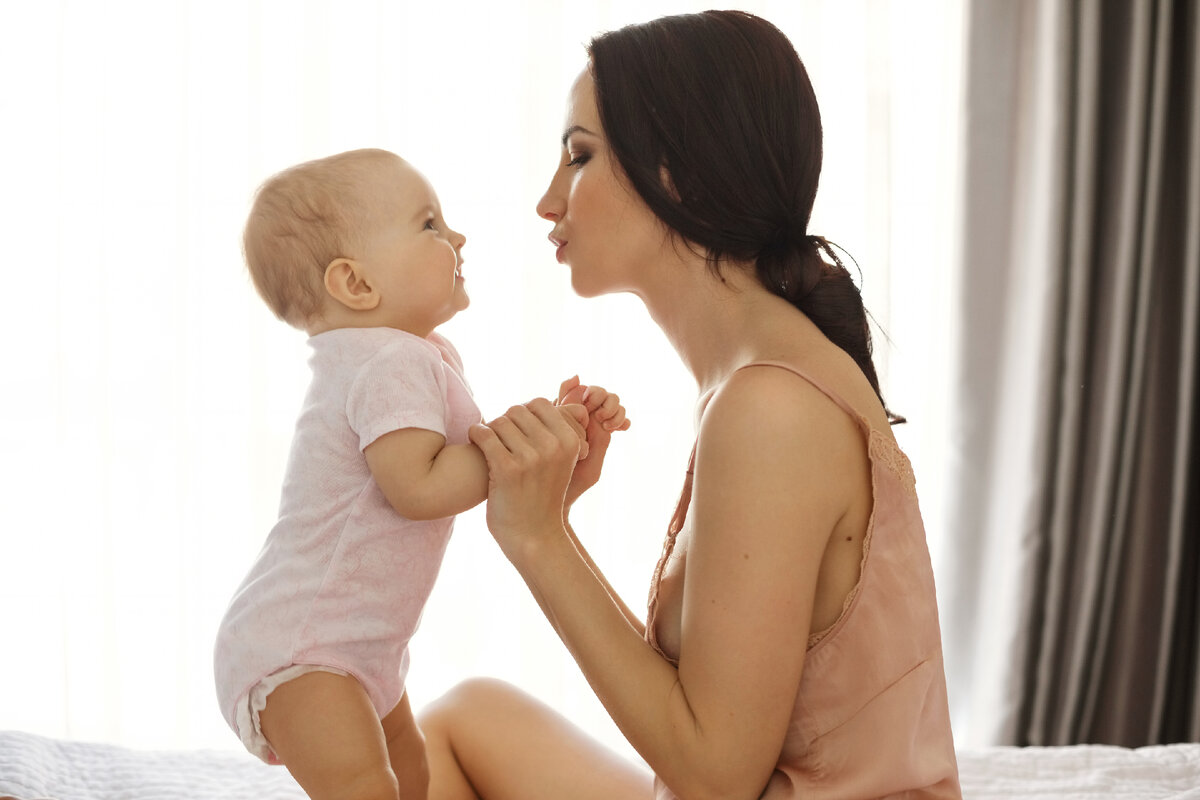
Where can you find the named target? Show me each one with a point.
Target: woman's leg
(488, 740)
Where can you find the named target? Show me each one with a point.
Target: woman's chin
(586, 288)
(581, 288)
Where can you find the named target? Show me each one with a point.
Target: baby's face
(410, 255)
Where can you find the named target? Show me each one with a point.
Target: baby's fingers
(594, 398)
(611, 414)
(617, 423)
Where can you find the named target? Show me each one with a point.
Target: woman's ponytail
(827, 294)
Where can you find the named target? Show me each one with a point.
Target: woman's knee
(471, 699)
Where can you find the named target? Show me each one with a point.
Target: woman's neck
(716, 324)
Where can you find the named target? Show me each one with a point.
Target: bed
(1081, 771)
(34, 768)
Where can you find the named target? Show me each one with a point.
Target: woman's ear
(664, 177)
(346, 282)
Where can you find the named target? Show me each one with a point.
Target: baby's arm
(425, 478)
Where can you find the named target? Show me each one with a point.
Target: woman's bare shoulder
(768, 419)
(759, 395)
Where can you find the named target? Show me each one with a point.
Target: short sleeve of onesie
(401, 386)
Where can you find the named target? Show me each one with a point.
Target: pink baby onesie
(342, 578)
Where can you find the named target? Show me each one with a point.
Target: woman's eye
(579, 160)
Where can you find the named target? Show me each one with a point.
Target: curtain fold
(1105, 648)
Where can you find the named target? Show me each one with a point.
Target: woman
(792, 645)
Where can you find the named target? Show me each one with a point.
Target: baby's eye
(429, 226)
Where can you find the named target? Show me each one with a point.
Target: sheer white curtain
(148, 397)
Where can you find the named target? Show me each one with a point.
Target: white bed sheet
(36, 768)
(1163, 772)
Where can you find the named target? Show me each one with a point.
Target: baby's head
(354, 240)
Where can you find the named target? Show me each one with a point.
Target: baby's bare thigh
(489, 740)
(406, 750)
(324, 729)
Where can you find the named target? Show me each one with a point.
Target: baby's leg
(406, 750)
(324, 729)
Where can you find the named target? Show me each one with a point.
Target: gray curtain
(1079, 419)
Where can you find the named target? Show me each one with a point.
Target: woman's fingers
(537, 421)
(488, 441)
(516, 431)
(575, 415)
(574, 395)
(566, 423)
(567, 386)
(538, 429)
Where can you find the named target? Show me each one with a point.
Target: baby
(312, 655)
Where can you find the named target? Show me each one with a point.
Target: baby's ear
(346, 282)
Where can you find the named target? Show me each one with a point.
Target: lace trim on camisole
(677, 520)
(881, 449)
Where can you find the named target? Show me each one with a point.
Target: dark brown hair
(721, 101)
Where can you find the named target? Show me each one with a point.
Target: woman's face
(602, 228)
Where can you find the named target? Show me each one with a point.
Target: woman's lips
(560, 245)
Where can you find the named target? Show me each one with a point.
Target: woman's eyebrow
(574, 129)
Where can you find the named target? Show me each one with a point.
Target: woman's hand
(605, 416)
(531, 454)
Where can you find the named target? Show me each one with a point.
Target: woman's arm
(771, 474)
(605, 416)
(633, 619)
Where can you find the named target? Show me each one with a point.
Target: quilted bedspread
(35, 768)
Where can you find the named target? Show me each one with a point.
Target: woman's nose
(545, 209)
(550, 206)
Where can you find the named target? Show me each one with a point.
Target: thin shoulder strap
(832, 395)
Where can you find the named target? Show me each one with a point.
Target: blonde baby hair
(302, 219)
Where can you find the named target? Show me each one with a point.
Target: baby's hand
(605, 415)
(603, 407)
